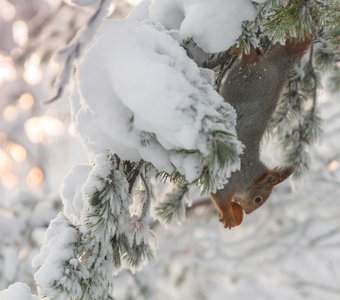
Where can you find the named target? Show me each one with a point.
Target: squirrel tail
(296, 48)
(291, 51)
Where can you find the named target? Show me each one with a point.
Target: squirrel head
(260, 189)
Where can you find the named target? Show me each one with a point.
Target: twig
(76, 48)
(147, 200)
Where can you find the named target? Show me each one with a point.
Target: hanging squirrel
(253, 87)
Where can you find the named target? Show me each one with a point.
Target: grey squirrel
(253, 87)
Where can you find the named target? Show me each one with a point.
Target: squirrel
(253, 87)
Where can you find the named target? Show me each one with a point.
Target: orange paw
(231, 217)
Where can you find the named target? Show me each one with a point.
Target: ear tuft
(275, 176)
(284, 172)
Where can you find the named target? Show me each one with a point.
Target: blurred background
(290, 249)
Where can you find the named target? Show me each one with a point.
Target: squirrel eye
(258, 199)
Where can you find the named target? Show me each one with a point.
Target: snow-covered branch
(68, 56)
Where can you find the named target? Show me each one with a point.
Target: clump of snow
(139, 95)
(170, 13)
(214, 25)
(17, 291)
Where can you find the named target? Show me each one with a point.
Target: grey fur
(253, 89)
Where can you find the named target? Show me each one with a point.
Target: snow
(140, 12)
(169, 13)
(17, 291)
(115, 200)
(101, 169)
(287, 250)
(214, 25)
(71, 192)
(163, 106)
(58, 251)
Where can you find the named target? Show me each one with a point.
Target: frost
(59, 269)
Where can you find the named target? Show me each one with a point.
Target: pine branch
(296, 126)
(172, 208)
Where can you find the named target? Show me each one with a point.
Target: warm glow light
(9, 180)
(35, 178)
(10, 113)
(7, 71)
(32, 73)
(5, 162)
(20, 32)
(43, 129)
(17, 152)
(333, 165)
(7, 11)
(26, 101)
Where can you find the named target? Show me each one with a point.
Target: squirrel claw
(228, 220)
(232, 216)
(229, 223)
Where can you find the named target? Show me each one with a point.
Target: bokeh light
(333, 165)
(33, 73)
(7, 71)
(20, 32)
(35, 178)
(43, 129)
(26, 101)
(7, 11)
(5, 162)
(17, 152)
(9, 180)
(10, 113)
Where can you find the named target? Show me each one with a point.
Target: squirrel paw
(227, 219)
(232, 216)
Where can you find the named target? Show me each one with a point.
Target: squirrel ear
(275, 176)
(284, 172)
